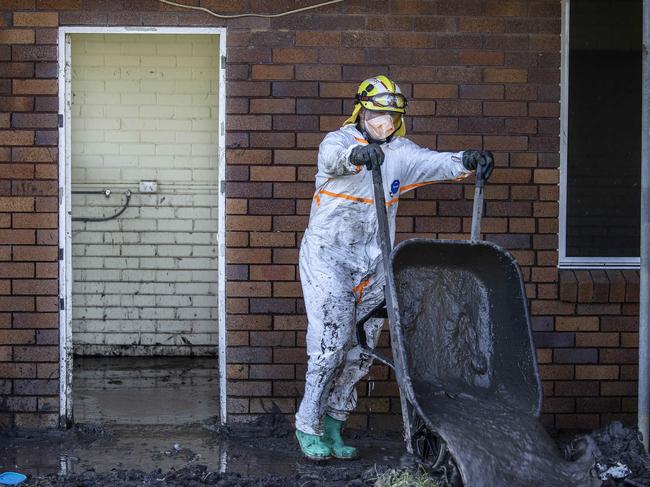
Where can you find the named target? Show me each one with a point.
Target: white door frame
(65, 233)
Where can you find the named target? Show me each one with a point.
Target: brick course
(480, 74)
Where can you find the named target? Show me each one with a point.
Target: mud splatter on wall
(145, 107)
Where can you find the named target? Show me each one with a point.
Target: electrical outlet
(148, 187)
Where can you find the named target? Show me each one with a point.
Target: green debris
(405, 478)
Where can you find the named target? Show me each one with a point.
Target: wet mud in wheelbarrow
(471, 366)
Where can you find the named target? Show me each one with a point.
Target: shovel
(392, 311)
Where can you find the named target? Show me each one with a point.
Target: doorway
(142, 224)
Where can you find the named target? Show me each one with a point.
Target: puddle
(199, 454)
(195, 448)
(140, 420)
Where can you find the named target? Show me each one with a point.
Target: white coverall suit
(341, 263)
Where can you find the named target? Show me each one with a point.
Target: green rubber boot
(313, 446)
(334, 440)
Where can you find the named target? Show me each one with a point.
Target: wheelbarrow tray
(469, 365)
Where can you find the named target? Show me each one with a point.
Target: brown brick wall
(28, 217)
(590, 357)
(481, 74)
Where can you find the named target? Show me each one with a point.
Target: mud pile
(621, 459)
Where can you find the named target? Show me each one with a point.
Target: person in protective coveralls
(340, 256)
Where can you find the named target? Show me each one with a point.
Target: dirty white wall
(145, 107)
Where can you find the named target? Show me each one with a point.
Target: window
(601, 133)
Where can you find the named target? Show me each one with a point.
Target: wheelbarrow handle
(477, 211)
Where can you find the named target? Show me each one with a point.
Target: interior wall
(145, 107)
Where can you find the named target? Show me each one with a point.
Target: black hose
(127, 193)
(106, 192)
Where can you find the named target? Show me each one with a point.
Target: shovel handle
(382, 215)
(477, 211)
(391, 299)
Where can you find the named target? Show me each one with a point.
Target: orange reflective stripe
(393, 201)
(359, 289)
(370, 201)
(359, 139)
(346, 197)
(404, 189)
(358, 199)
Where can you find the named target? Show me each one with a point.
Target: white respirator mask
(380, 127)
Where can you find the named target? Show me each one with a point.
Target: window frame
(564, 261)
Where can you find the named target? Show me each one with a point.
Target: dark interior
(604, 129)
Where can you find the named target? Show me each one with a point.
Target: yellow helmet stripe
(392, 85)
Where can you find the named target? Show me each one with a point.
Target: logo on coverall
(394, 187)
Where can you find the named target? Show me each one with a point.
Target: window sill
(599, 285)
(599, 263)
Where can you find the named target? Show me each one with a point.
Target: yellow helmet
(379, 94)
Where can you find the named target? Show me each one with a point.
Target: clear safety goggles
(386, 100)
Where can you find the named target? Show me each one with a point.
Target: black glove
(483, 158)
(369, 155)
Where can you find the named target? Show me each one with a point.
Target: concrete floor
(145, 390)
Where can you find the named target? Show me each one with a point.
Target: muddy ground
(199, 475)
(264, 454)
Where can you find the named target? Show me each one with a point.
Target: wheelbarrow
(464, 360)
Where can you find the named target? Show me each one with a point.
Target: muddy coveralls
(341, 263)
